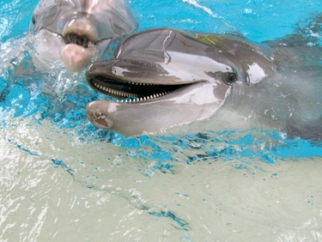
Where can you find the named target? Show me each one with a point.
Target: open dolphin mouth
(127, 89)
(80, 31)
(162, 78)
(132, 91)
(81, 40)
(170, 78)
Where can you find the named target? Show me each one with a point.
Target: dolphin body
(165, 78)
(75, 32)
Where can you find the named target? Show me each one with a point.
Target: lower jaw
(76, 57)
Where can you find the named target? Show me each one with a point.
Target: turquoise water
(48, 144)
(29, 96)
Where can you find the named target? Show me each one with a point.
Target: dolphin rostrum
(165, 77)
(78, 31)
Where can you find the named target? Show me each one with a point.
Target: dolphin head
(84, 27)
(163, 78)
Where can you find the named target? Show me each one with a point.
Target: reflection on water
(56, 186)
(63, 179)
(95, 191)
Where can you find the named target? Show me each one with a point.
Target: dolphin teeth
(135, 99)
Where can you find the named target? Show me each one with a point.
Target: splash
(205, 9)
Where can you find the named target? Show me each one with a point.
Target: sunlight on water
(63, 179)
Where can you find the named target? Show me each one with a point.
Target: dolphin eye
(33, 20)
(230, 78)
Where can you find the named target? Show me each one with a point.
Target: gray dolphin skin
(78, 31)
(165, 78)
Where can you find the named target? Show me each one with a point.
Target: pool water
(63, 179)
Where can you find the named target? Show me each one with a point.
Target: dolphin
(169, 78)
(78, 31)
(163, 78)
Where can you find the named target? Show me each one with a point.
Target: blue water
(29, 101)
(30, 96)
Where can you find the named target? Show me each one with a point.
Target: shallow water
(62, 179)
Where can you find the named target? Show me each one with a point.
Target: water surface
(63, 179)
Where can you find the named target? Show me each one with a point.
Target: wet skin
(165, 78)
(78, 31)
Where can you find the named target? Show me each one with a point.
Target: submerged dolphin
(165, 78)
(77, 31)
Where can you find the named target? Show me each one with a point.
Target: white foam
(197, 5)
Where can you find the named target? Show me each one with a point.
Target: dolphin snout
(96, 113)
(82, 27)
(78, 34)
(132, 70)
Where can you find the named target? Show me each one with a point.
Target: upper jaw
(82, 27)
(135, 79)
(79, 35)
(134, 70)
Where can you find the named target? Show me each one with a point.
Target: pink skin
(76, 57)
